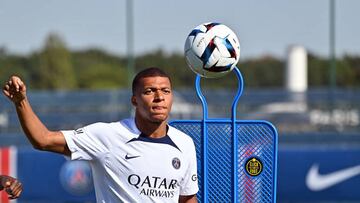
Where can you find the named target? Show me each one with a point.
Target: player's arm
(11, 185)
(40, 137)
(188, 199)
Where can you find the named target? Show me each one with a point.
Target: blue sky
(263, 27)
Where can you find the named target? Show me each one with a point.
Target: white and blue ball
(212, 50)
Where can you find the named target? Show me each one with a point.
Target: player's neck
(151, 129)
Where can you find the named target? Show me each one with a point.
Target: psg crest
(176, 163)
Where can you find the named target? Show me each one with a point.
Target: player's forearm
(33, 128)
(188, 199)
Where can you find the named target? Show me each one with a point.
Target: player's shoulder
(119, 129)
(98, 126)
(178, 133)
(180, 137)
(125, 123)
(101, 128)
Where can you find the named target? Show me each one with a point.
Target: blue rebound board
(237, 159)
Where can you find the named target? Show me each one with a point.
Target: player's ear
(133, 100)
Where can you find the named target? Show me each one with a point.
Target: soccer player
(11, 185)
(140, 159)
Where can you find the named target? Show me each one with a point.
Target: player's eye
(148, 91)
(166, 91)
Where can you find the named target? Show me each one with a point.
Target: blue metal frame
(205, 136)
(234, 156)
(204, 148)
(204, 191)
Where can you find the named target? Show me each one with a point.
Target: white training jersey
(130, 167)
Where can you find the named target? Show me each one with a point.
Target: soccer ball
(212, 50)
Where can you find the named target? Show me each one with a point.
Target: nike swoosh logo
(318, 182)
(127, 157)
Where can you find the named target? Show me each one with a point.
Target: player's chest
(152, 159)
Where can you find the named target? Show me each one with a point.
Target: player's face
(153, 98)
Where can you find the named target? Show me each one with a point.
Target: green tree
(12, 65)
(353, 62)
(97, 69)
(263, 72)
(55, 69)
(318, 71)
(174, 64)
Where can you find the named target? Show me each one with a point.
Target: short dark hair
(148, 72)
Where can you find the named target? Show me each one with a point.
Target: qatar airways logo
(154, 186)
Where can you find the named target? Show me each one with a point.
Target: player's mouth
(159, 108)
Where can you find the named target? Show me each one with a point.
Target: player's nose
(159, 95)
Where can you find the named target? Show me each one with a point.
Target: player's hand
(15, 89)
(12, 187)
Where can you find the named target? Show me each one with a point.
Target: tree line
(57, 67)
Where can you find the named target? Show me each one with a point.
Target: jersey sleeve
(190, 183)
(87, 143)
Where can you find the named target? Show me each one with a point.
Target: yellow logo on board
(254, 166)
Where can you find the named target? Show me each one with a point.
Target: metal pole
(332, 46)
(204, 141)
(130, 40)
(235, 157)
